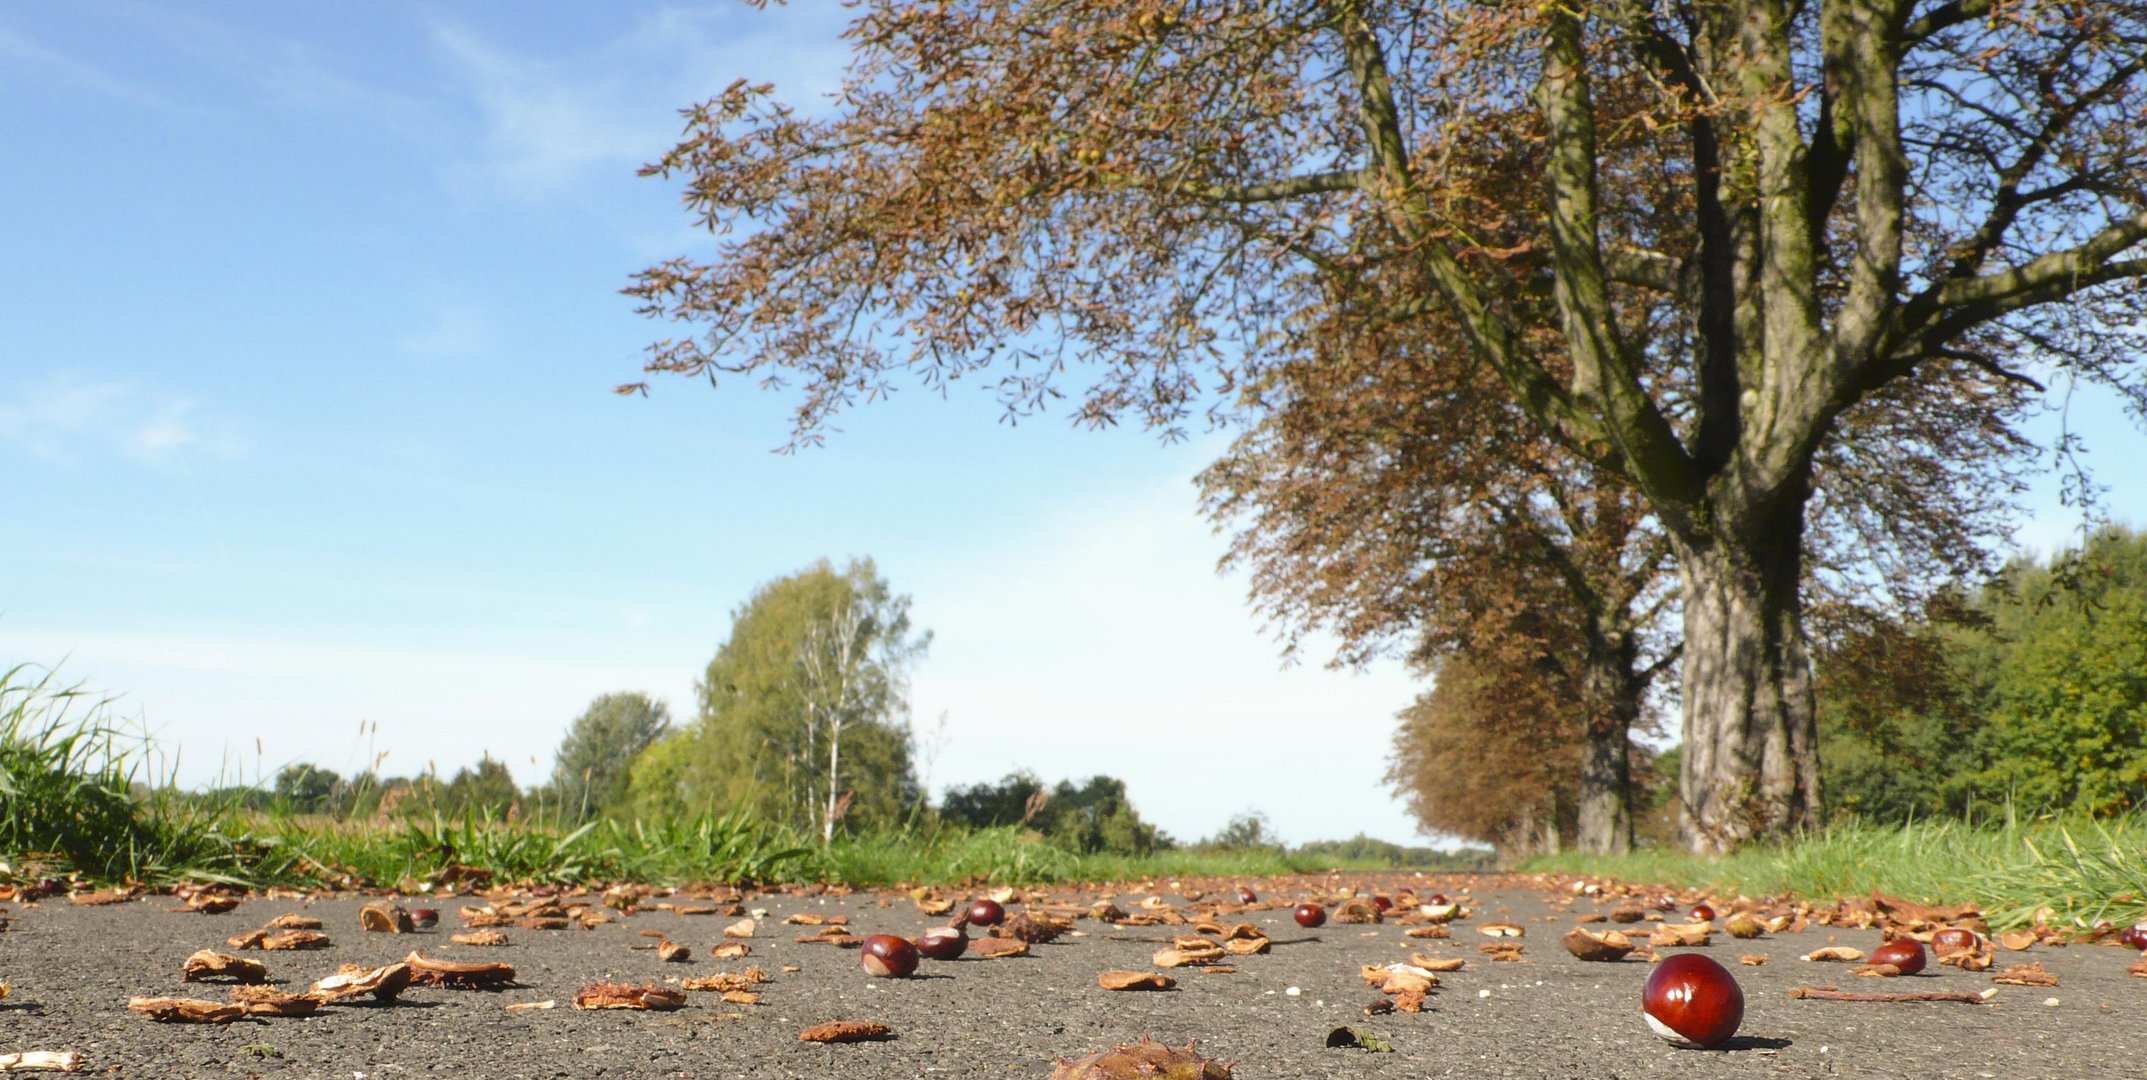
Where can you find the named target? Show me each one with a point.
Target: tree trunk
(1751, 759)
(1612, 691)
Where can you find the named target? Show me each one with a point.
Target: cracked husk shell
(1141, 1060)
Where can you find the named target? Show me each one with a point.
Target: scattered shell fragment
(1134, 980)
(603, 995)
(725, 982)
(731, 950)
(251, 939)
(1674, 935)
(479, 937)
(423, 969)
(2017, 940)
(2026, 975)
(531, 1006)
(1437, 963)
(294, 922)
(1745, 927)
(41, 1061)
(1752, 959)
(384, 918)
(166, 1010)
(994, 948)
(844, 1031)
(295, 939)
(207, 964)
(383, 983)
(743, 928)
(1433, 931)
(1840, 954)
(269, 1001)
(1502, 929)
(1144, 1058)
(1607, 947)
(671, 952)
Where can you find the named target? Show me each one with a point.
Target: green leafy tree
(1095, 816)
(803, 711)
(307, 788)
(1244, 831)
(486, 788)
(591, 769)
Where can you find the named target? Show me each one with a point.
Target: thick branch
(1274, 191)
(2053, 276)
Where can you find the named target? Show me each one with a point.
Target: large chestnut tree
(1760, 217)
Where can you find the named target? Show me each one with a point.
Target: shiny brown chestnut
(987, 912)
(424, 918)
(888, 956)
(943, 943)
(1953, 939)
(1905, 954)
(1247, 896)
(1310, 916)
(1702, 913)
(1692, 1001)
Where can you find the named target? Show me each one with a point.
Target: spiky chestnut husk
(1143, 1060)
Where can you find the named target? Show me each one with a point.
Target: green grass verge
(2080, 870)
(77, 798)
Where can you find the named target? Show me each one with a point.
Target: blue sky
(310, 326)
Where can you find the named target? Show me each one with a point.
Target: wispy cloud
(65, 416)
(550, 122)
(33, 61)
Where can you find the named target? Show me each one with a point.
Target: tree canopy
(803, 711)
(591, 769)
(1092, 817)
(1697, 247)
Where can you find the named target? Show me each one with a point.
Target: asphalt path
(73, 969)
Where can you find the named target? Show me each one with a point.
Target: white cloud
(66, 415)
(24, 55)
(550, 123)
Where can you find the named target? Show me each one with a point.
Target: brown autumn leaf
(1839, 954)
(671, 952)
(994, 948)
(294, 922)
(100, 898)
(269, 1001)
(381, 917)
(2026, 975)
(845, 1031)
(1135, 980)
(165, 1010)
(295, 939)
(351, 980)
(1607, 947)
(449, 973)
(482, 938)
(215, 965)
(608, 995)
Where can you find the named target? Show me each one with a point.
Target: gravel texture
(73, 968)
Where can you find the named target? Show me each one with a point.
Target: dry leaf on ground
(1134, 980)
(604, 995)
(844, 1031)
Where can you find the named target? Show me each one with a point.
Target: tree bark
(1612, 690)
(1751, 760)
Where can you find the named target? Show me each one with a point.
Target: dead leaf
(602, 995)
(1134, 980)
(844, 1031)
(215, 965)
(102, 897)
(2025, 975)
(166, 1010)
